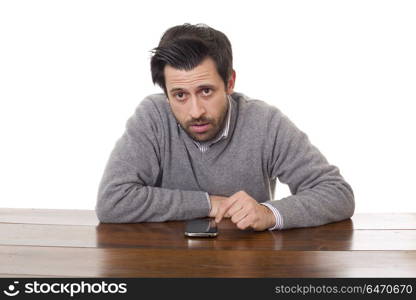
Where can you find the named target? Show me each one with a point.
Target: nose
(197, 108)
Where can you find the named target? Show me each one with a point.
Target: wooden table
(72, 243)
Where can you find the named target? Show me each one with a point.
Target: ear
(231, 83)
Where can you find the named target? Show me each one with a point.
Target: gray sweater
(156, 173)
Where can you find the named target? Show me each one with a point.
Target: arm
(320, 195)
(128, 191)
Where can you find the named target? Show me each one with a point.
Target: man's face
(198, 98)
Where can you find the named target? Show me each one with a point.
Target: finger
(224, 207)
(236, 207)
(237, 217)
(245, 223)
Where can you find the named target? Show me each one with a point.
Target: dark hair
(185, 46)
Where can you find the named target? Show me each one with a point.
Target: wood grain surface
(72, 243)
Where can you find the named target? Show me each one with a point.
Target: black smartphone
(205, 227)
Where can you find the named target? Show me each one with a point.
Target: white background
(72, 73)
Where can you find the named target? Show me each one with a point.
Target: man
(200, 149)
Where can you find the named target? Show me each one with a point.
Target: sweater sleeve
(320, 195)
(128, 191)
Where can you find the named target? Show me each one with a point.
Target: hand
(246, 212)
(215, 205)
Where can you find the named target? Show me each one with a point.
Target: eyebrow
(199, 87)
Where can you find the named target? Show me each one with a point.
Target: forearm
(325, 203)
(132, 203)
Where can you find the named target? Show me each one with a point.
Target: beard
(214, 126)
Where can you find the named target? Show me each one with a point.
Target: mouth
(200, 128)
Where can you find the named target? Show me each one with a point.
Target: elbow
(349, 201)
(103, 214)
(106, 209)
(116, 205)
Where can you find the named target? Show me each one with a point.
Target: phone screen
(205, 227)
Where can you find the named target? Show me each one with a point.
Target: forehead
(205, 72)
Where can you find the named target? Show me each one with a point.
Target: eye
(206, 91)
(180, 96)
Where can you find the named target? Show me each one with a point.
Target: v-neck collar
(204, 146)
(217, 146)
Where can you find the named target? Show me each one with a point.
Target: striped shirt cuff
(277, 216)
